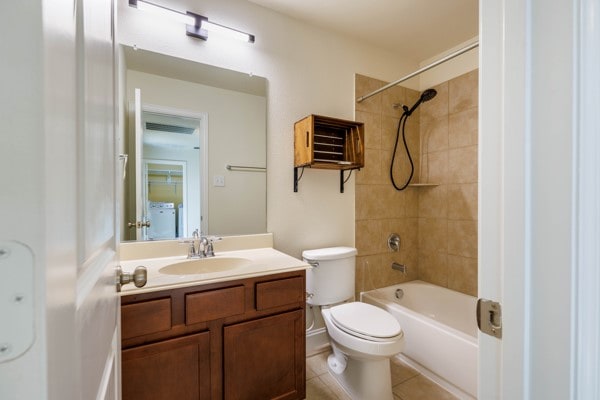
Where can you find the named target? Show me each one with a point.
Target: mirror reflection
(196, 143)
(171, 175)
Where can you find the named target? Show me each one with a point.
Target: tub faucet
(399, 267)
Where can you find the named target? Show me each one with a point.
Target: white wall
(459, 65)
(308, 71)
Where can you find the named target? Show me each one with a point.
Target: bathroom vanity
(229, 334)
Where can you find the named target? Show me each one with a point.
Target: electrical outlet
(218, 180)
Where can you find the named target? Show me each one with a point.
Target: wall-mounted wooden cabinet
(328, 143)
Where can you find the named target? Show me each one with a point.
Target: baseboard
(317, 341)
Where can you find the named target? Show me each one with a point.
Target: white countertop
(262, 261)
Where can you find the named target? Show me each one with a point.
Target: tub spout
(399, 267)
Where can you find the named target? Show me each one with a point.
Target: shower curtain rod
(419, 71)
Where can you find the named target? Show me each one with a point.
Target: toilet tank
(331, 279)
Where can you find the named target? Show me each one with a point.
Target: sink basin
(205, 266)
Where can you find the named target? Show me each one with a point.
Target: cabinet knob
(139, 277)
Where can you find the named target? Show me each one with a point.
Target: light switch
(218, 180)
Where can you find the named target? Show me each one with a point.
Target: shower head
(428, 94)
(425, 96)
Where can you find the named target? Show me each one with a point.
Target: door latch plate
(489, 317)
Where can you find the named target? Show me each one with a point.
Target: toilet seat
(366, 322)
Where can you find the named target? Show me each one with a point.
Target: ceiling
(420, 29)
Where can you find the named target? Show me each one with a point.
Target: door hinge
(489, 317)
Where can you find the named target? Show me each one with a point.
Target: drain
(399, 294)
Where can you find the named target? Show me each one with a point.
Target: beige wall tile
(368, 237)
(372, 172)
(438, 106)
(462, 165)
(372, 128)
(411, 96)
(393, 201)
(365, 270)
(462, 128)
(462, 201)
(407, 229)
(402, 168)
(433, 268)
(462, 274)
(435, 134)
(394, 95)
(389, 127)
(462, 92)
(462, 238)
(433, 202)
(433, 236)
(386, 159)
(437, 167)
(368, 204)
(364, 85)
(411, 205)
(394, 277)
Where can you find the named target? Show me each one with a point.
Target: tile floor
(407, 384)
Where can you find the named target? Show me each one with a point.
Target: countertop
(262, 261)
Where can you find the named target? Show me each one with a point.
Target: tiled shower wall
(380, 209)
(437, 224)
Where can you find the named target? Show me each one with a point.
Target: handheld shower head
(425, 96)
(428, 94)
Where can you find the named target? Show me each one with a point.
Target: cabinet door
(265, 358)
(171, 369)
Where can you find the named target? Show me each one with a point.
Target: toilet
(363, 337)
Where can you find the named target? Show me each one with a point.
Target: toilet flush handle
(312, 263)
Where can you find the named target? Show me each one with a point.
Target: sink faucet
(203, 249)
(193, 250)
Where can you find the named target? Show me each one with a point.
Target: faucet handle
(210, 251)
(191, 246)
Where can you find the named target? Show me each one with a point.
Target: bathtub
(440, 332)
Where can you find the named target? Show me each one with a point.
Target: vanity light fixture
(197, 25)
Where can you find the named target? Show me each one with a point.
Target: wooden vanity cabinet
(242, 339)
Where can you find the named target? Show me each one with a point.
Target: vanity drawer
(279, 293)
(214, 304)
(146, 317)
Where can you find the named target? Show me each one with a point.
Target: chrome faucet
(203, 248)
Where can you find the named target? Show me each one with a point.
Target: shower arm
(419, 71)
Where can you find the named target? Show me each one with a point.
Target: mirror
(195, 139)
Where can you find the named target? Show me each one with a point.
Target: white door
(96, 313)
(539, 197)
(59, 96)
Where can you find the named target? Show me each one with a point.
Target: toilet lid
(365, 321)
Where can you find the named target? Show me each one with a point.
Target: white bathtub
(440, 332)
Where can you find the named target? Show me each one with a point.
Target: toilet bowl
(361, 351)
(363, 337)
